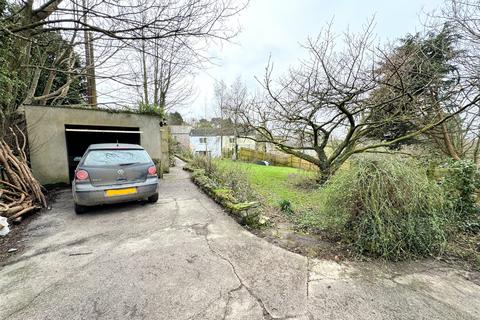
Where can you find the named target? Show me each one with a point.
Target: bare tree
(116, 26)
(464, 18)
(220, 95)
(237, 99)
(168, 69)
(231, 101)
(122, 20)
(323, 111)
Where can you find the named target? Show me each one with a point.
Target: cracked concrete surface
(184, 258)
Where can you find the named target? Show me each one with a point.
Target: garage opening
(79, 137)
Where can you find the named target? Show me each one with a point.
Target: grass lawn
(275, 184)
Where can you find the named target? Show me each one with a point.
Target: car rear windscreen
(116, 157)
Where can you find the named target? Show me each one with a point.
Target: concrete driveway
(184, 258)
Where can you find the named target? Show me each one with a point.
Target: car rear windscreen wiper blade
(128, 164)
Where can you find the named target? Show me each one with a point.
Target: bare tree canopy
(128, 20)
(324, 110)
(170, 35)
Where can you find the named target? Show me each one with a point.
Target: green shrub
(460, 181)
(203, 180)
(235, 178)
(286, 206)
(387, 207)
(226, 177)
(460, 184)
(230, 189)
(183, 153)
(204, 163)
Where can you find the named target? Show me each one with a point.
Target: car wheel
(80, 209)
(153, 199)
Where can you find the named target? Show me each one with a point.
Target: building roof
(85, 108)
(212, 132)
(180, 129)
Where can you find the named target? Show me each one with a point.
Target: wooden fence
(284, 160)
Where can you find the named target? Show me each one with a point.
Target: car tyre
(80, 209)
(153, 199)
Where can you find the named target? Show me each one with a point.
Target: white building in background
(229, 143)
(211, 141)
(205, 141)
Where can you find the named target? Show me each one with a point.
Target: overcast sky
(278, 27)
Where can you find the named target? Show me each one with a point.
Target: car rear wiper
(128, 164)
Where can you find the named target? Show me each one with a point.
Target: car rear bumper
(89, 195)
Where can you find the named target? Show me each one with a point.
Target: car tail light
(152, 171)
(81, 175)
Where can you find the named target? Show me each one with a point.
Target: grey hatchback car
(113, 173)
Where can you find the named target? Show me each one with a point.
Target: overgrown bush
(460, 180)
(204, 163)
(286, 206)
(388, 207)
(460, 183)
(235, 178)
(173, 148)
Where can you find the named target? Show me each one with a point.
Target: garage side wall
(46, 136)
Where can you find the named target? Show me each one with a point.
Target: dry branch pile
(20, 192)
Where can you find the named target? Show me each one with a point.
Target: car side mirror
(77, 159)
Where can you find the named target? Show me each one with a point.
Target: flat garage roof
(102, 131)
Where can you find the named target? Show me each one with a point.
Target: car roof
(99, 146)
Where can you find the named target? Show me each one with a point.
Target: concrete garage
(59, 134)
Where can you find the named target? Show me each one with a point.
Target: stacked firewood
(20, 192)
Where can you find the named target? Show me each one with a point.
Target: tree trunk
(325, 172)
(89, 62)
(476, 151)
(33, 86)
(156, 85)
(145, 77)
(162, 100)
(51, 77)
(452, 152)
(93, 80)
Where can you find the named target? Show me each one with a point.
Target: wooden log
(22, 212)
(19, 180)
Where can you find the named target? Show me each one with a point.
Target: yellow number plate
(120, 192)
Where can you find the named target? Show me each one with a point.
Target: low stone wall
(248, 213)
